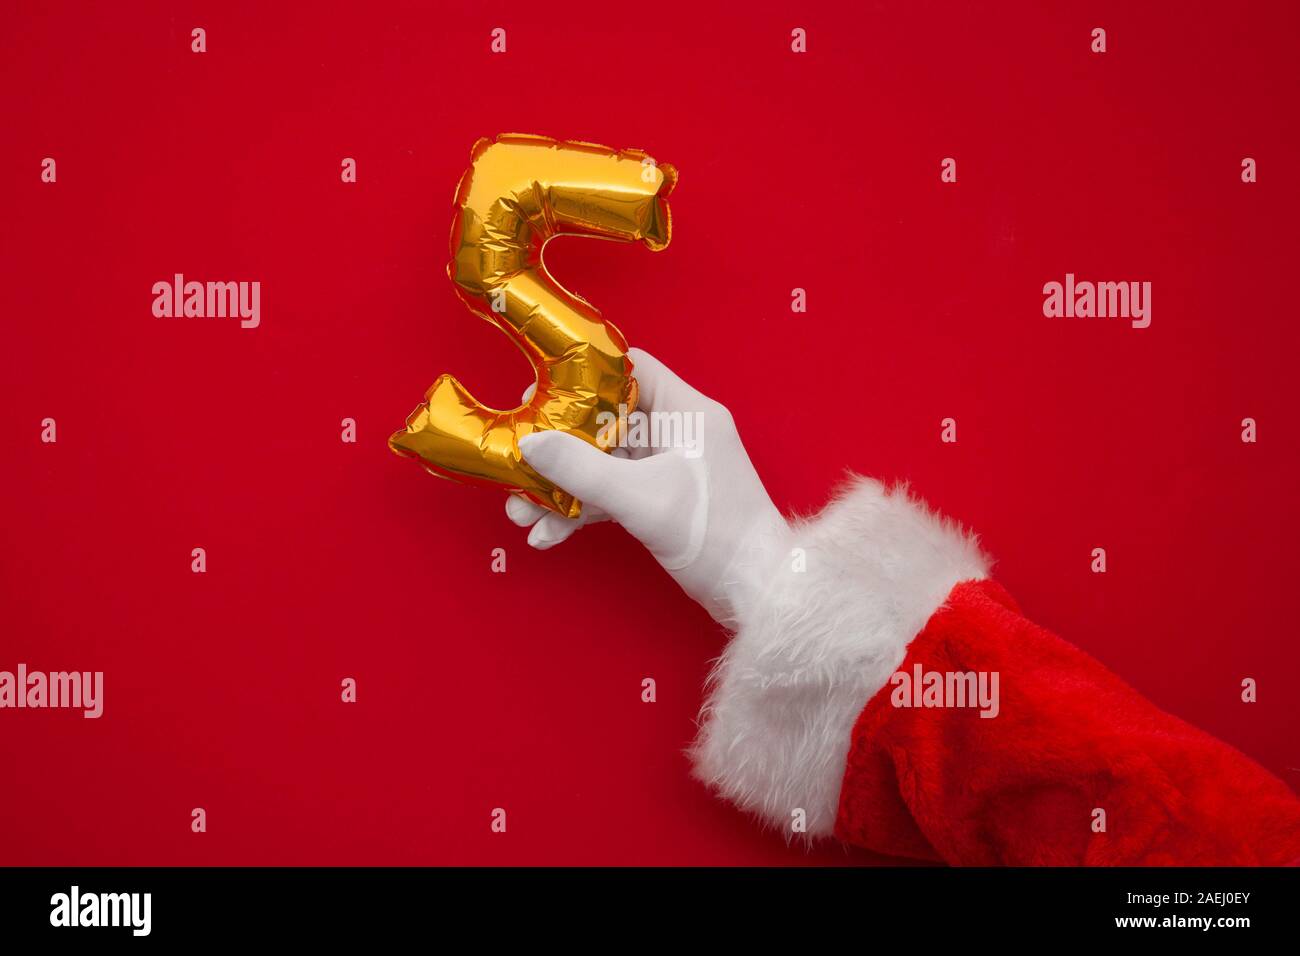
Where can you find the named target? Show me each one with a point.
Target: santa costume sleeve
(823, 710)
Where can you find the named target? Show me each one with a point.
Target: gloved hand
(701, 511)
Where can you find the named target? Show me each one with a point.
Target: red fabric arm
(945, 784)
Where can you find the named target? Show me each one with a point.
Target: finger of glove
(552, 529)
(523, 512)
(660, 388)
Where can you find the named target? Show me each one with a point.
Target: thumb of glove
(660, 500)
(581, 469)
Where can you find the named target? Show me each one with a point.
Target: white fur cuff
(834, 622)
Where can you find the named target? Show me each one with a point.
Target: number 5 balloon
(519, 193)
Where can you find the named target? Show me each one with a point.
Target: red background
(522, 690)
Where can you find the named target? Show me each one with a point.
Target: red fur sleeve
(1069, 742)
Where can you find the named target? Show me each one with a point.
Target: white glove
(699, 507)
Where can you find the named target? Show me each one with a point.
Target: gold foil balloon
(519, 193)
